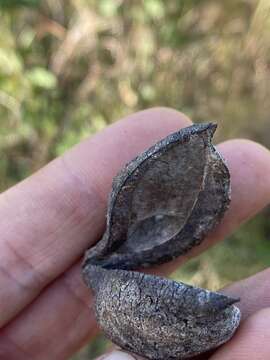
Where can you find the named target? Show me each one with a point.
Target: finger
(55, 326)
(47, 221)
(22, 329)
(254, 293)
(251, 340)
(119, 355)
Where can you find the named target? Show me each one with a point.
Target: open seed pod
(162, 204)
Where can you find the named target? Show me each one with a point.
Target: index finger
(47, 221)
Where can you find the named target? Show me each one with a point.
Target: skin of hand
(51, 218)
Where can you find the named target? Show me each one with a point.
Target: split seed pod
(163, 203)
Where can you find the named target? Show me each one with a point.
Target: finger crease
(26, 268)
(73, 293)
(11, 350)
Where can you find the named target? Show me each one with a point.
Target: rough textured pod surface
(159, 318)
(162, 204)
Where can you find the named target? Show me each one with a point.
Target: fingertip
(250, 340)
(117, 355)
(146, 127)
(244, 151)
(249, 165)
(162, 113)
(255, 327)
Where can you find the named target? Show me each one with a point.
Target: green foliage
(68, 68)
(18, 3)
(41, 78)
(108, 8)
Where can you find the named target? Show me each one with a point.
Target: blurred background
(68, 68)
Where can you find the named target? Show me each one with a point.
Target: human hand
(48, 220)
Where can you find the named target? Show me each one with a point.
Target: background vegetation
(70, 67)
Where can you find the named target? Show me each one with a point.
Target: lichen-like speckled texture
(160, 318)
(162, 204)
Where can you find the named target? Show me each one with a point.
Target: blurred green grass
(70, 68)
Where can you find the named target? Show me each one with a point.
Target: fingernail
(116, 355)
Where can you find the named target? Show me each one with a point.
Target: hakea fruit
(162, 204)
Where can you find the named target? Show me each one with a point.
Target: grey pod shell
(162, 204)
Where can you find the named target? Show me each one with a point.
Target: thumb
(119, 355)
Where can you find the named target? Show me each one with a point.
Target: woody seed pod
(162, 204)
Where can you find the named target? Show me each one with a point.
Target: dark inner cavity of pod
(161, 204)
(164, 202)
